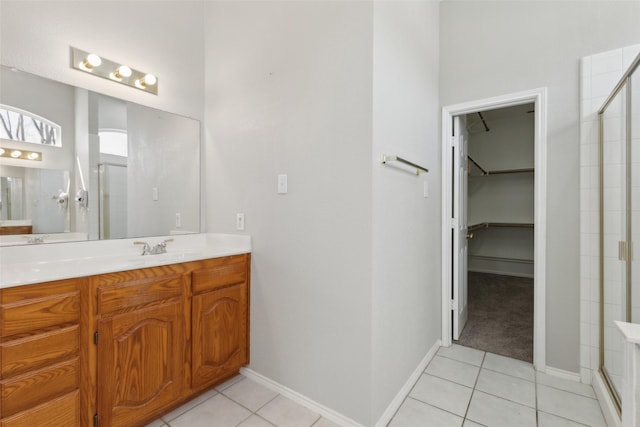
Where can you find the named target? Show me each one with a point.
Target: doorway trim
(539, 98)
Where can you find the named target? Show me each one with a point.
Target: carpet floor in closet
(500, 317)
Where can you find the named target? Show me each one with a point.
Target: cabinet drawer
(61, 412)
(32, 314)
(26, 391)
(138, 292)
(37, 351)
(219, 273)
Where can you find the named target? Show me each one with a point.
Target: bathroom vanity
(124, 345)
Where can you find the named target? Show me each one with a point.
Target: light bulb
(32, 156)
(123, 71)
(92, 60)
(150, 79)
(1, 151)
(120, 72)
(16, 153)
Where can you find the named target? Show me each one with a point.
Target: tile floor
(244, 403)
(466, 387)
(461, 387)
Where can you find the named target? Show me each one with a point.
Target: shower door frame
(625, 250)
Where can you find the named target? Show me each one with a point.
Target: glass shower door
(634, 137)
(615, 239)
(619, 222)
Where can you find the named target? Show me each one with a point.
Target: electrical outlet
(178, 220)
(240, 221)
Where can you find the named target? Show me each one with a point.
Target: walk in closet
(500, 209)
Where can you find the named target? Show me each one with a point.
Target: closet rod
(484, 172)
(499, 224)
(486, 128)
(419, 168)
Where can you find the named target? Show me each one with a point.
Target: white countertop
(26, 264)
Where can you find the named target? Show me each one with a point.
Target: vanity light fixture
(114, 71)
(14, 153)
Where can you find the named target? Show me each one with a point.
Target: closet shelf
(485, 172)
(499, 224)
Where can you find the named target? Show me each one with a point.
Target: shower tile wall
(599, 74)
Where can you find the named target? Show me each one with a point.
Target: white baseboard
(334, 416)
(408, 385)
(324, 411)
(609, 409)
(561, 373)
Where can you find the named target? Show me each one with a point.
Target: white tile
(452, 370)
(569, 405)
(584, 356)
(603, 84)
(496, 412)
(442, 394)
(606, 62)
(469, 423)
(462, 354)
(231, 381)
(218, 411)
(629, 53)
(506, 365)
(157, 423)
(284, 412)
(249, 394)
(190, 404)
(548, 420)
(507, 387)
(255, 421)
(413, 413)
(585, 67)
(566, 385)
(323, 422)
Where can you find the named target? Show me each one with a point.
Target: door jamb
(539, 98)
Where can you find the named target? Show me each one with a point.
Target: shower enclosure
(619, 121)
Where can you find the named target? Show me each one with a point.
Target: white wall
(289, 91)
(492, 48)
(406, 226)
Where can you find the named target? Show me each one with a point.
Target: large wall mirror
(78, 165)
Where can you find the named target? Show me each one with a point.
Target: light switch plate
(240, 221)
(282, 184)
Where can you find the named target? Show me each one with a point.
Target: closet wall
(501, 205)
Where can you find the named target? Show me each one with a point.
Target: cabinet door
(219, 321)
(139, 363)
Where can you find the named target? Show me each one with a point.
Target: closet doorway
(494, 162)
(500, 225)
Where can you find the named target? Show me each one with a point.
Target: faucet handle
(146, 249)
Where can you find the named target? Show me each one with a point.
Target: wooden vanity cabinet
(40, 369)
(140, 343)
(121, 349)
(220, 316)
(165, 334)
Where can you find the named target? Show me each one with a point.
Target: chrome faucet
(160, 248)
(36, 239)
